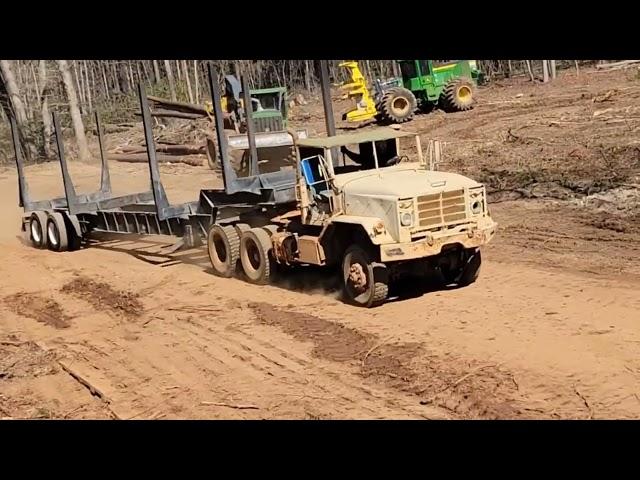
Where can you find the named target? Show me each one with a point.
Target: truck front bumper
(433, 244)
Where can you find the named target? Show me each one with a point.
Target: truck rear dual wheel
(255, 256)
(223, 244)
(365, 282)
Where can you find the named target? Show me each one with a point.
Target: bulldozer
(423, 85)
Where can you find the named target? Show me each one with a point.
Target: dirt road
(119, 330)
(160, 337)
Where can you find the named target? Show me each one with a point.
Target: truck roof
(379, 134)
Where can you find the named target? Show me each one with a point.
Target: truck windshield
(363, 158)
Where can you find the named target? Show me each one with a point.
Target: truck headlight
(406, 219)
(476, 201)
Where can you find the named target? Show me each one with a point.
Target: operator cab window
(408, 69)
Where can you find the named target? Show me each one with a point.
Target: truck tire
(57, 237)
(365, 283)
(471, 270)
(467, 272)
(223, 245)
(38, 229)
(255, 256)
(458, 95)
(398, 105)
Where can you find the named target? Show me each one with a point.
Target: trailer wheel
(255, 250)
(223, 244)
(365, 283)
(37, 229)
(57, 238)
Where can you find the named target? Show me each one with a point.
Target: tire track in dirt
(290, 369)
(485, 394)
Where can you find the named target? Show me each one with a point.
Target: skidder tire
(398, 105)
(255, 256)
(223, 245)
(458, 95)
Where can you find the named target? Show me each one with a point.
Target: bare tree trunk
(577, 68)
(76, 118)
(552, 64)
(17, 105)
(93, 80)
(307, 75)
(145, 70)
(87, 86)
(115, 78)
(140, 78)
(79, 91)
(156, 71)
(44, 108)
(106, 82)
(172, 85)
(186, 76)
(197, 85)
(528, 64)
(545, 71)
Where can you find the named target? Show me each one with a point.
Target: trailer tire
(255, 256)
(365, 283)
(223, 244)
(57, 237)
(38, 229)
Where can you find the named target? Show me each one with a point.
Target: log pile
(166, 151)
(171, 153)
(616, 65)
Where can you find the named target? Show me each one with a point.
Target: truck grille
(441, 208)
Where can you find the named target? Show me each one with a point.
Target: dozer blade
(264, 139)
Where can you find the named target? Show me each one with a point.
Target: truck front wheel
(365, 283)
(461, 267)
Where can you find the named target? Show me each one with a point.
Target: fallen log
(178, 106)
(172, 114)
(142, 158)
(616, 65)
(173, 149)
(112, 128)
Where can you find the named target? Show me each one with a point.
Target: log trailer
(373, 214)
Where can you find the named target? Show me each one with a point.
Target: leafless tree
(74, 110)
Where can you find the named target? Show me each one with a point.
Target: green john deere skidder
(425, 84)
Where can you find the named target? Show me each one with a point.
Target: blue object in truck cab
(313, 176)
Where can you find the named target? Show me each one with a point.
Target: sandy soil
(550, 330)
